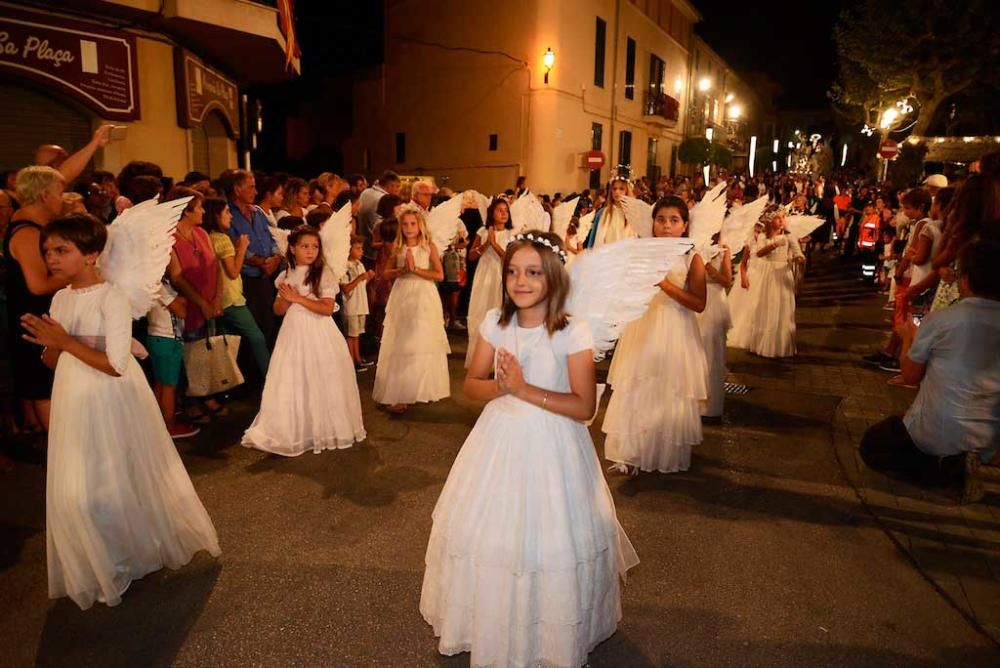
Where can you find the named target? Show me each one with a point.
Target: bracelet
(545, 399)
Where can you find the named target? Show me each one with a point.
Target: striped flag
(286, 22)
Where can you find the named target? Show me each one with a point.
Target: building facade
(476, 93)
(169, 72)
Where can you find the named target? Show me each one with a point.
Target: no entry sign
(593, 160)
(888, 149)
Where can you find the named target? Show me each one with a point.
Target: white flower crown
(560, 253)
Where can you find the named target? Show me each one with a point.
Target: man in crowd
(388, 184)
(262, 258)
(422, 193)
(954, 422)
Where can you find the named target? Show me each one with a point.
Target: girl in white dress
(119, 503)
(413, 358)
(525, 554)
(487, 287)
(743, 297)
(772, 329)
(310, 399)
(611, 223)
(714, 323)
(659, 370)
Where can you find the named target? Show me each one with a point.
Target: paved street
(778, 548)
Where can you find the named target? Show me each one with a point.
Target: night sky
(791, 44)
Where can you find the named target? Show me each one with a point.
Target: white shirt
(958, 406)
(932, 230)
(355, 303)
(159, 322)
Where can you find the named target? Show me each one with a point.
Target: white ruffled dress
(714, 323)
(658, 376)
(487, 287)
(118, 501)
(310, 399)
(743, 301)
(772, 332)
(413, 357)
(525, 554)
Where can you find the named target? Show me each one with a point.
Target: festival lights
(753, 153)
(549, 59)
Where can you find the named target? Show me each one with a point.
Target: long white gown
(772, 332)
(119, 502)
(658, 376)
(310, 399)
(743, 302)
(613, 226)
(714, 322)
(413, 358)
(525, 553)
(487, 287)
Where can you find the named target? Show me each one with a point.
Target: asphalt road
(760, 555)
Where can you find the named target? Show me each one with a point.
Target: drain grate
(737, 389)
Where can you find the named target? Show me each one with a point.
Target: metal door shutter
(29, 118)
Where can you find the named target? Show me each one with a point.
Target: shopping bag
(210, 364)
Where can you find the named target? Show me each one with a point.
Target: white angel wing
(802, 226)
(443, 221)
(280, 237)
(561, 216)
(482, 203)
(707, 215)
(612, 285)
(708, 252)
(740, 222)
(583, 229)
(639, 215)
(336, 237)
(138, 250)
(526, 213)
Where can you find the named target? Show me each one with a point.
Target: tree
(924, 50)
(907, 168)
(694, 151)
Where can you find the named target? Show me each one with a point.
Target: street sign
(888, 149)
(593, 159)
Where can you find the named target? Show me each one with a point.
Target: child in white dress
(310, 399)
(487, 286)
(714, 323)
(353, 285)
(743, 297)
(659, 370)
(413, 359)
(525, 554)
(119, 503)
(772, 329)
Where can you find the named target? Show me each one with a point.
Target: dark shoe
(972, 484)
(181, 430)
(891, 364)
(875, 359)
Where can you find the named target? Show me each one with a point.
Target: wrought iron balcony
(662, 109)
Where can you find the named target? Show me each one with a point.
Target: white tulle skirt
(119, 502)
(714, 322)
(743, 306)
(658, 376)
(772, 333)
(413, 358)
(525, 554)
(487, 294)
(310, 399)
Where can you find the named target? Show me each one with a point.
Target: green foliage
(720, 155)
(694, 151)
(905, 171)
(928, 49)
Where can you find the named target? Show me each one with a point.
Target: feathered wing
(583, 229)
(639, 215)
(561, 216)
(740, 222)
(612, 285)
(527, 213)
(483, 204)
(443, 221)
(280, 237)
(707, 215)
(802, 226)
(138, 250)
(336, 237)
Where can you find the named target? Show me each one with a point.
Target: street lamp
(888, 118)
(704, 84)
(729, 98)
(735, 111)
(549, 59)
(678, 85)
(753, 153)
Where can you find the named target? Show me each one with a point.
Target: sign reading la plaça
(96, 67)
(202, 89)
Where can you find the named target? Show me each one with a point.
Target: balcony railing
(663, 108)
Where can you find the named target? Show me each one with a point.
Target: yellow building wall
(157, 137)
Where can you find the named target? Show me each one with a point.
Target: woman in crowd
(296, 199)
(270, 194)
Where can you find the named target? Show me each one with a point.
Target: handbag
(210, 364)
